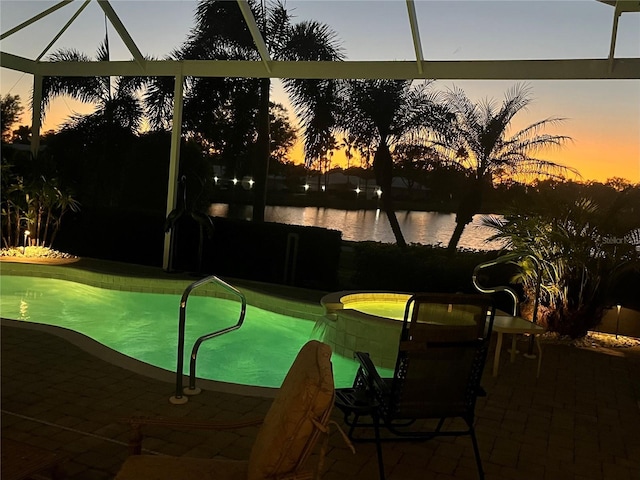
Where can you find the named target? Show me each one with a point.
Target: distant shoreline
(337, 201)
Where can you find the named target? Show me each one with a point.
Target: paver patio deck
(579, 420)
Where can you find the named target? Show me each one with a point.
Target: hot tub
(365, 322)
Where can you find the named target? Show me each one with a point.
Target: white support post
(35, 114)
(174, 161)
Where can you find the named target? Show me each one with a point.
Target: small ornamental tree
(580, 263)
(34, 204)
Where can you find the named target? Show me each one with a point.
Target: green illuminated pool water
(145, 326)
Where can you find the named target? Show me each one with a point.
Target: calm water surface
(428, 228)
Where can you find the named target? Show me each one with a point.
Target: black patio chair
(441, 356)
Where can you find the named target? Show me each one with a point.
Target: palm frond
(158, 98)
(538, 126)
(311, 41)
(278, 27)
(83, 89)
(220, 24)
(129, 85)
(517, 98)
(124, 106)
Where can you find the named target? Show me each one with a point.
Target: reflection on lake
(429, 228)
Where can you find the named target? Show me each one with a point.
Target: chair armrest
(136, 423)
(373, 378)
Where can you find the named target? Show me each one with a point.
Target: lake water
(428, 228)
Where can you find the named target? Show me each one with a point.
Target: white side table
(505, 323)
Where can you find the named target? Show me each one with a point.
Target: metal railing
(491, 263)
(179, 398)
(506, 259)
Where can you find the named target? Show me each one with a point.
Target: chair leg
(376, 429)
(476, 450)
(354, 423)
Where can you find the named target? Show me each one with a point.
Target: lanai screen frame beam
(35, 18)
(174, 165)
(415, 34)
(258, 39)
(63, 29)
(122, 31)
(568, 69)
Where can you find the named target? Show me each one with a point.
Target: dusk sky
(603, 116)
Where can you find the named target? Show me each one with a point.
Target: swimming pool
(145, 325)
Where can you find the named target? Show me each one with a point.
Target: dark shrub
(418, 268)
(306, 257)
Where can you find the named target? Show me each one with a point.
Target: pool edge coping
(150, 283)
(113, 357)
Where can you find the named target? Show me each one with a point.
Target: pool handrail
(178, 398)
(510, 257)
(482, 289)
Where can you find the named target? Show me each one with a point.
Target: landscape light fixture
(306, 187)
(24, 244)
(358, 191)
(215, 179)
(379, 192)
(251, 182)
(235, 181)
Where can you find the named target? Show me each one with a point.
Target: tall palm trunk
(8, 240)
(469, 206)
(455, 236)
(48, 219)
(383, 168)
(261, 159)
(16, 223)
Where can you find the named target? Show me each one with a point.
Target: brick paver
(579, 420)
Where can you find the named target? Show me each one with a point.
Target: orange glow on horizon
(60, 110)
(595, 162)
(597, 152)
(601, 159)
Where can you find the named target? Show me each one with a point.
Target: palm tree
(242, 105)
(104, 135)
(580, 269)
(481, 143)
(116, 100)
(387, 112)
(348, 144)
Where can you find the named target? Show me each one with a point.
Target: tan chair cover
(290, 430)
